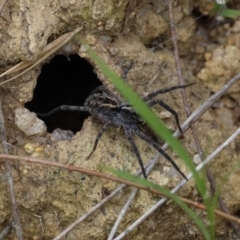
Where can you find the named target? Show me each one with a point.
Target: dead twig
(5, 231)
(45, 53)
(134, 192)
(115, 179)
(2, 6)
(9, 177)
(125, 208)
(188, 112)
(122, 213)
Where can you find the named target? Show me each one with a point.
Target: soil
(123, 33)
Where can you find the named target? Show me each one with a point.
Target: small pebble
(165, 114)
(28, 122)
(197, 159)
(59, 134)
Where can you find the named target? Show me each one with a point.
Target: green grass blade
(221, 10)
(231, 13)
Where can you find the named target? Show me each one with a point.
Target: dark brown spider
(107, 107)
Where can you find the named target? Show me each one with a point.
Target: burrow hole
(63, 81)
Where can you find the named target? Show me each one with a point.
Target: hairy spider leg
(100, 133)
(158, 148)
(135, 149)
(77, 108)
(150, 96)
(91, 110)
(64, 108)
(164, 105)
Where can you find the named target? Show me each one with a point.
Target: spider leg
(65, 108)
(164, 105)
(100, 133)
(150, 96)
(135, 149)
(165, 90)
(159, 149)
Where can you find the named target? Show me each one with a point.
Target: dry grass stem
(8, 175)
(5, 231)
(111, 178)
(50, 49)
(2, 6)
(122, 213)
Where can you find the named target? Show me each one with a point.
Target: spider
(107, 107)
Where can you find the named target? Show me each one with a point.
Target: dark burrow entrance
(63, 81)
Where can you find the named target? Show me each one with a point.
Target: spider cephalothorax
(107, 107)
